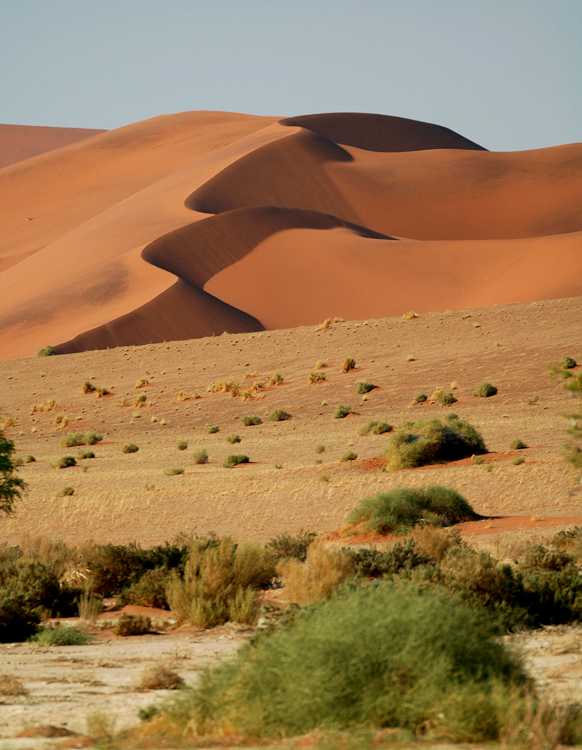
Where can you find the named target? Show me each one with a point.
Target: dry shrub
(8, 422)
(433, 541)
(200, 457)
(320, 364)
(140, 400)
(160, 677)
(410, 315)
(142, 382)
(276, 379)
(316, 377)
(89, 606)
(48, 405)
(186, 396)
(325, 325)
(61, 421)
(100, 727)
(132, 625)
(257, 386)
(316, 578)
(10, 685)
(348, 364)
(87, 387)
(245, 395)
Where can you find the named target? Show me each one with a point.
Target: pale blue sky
(505, 73)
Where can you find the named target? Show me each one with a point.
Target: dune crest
(188, 225)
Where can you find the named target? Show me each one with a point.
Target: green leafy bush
(403, 507)
(484, 390)
(48, 351)
(567, 363)
(149, 591)
(429, 442)
(234, 460)
(364, 388)
(251, 421)
(374, 428)
(11, 485)
(129, 448)
(278, 415)
(342, 411)
(61, 635)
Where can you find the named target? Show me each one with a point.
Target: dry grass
(141, 383)
(160, 677)
(316, 578)
(434, 541)
(48, 405)
(11, 686)
(186, 396)
(349, 363)
(316, 377)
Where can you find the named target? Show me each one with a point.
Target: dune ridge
(20, 142)
(192, 224)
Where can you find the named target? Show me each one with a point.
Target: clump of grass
(29, 459)
(87, 387)
(319, 448)
(181, 445)
(276, 379)
(234, 460)
(567, 363)
(64, 462)
(374, 428)
(66, 491)
(517, 445)
(323, 478)
(257, 386)
(200, 457)
(278, 415)
(129, 448)
(160, 677)
(349, 456)
(365, 388)
(484, 390)
(233, 438)
(141, 383)
(173, 472)
(250, 421)
(48, 351)
(128, 625)
(318, 576)
(85, 454)
(212, 429)
(9, 684)
(48, 405)
(410, 315)
(402, 508)
(518, 461)
(61, 421)
(325, 325)
(432, 441)
(320, 364)
(349, 363)
(101, 390)
(77, 438)
(420, 398)
(288, 547)
(61, 635)
(477, 460)
(186, 396)
(341, 411)
(140, 401)
(532, 400)
(443, 398)
(316, 377)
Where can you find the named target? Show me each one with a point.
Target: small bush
(66, 491)
(276, 379)
(181, 445)
(320, 364)
(142, 382)
(316, 578)
(428, 442)
(518, 461)
(477, 460)
(286, 546)
(128, 625)
(85, 454)
(349, 363)
(30, 459)
(410, 315)
(10, 685)
(212, 429)
(48, 351)
(401, 509)
(149, 591)
(319, 448)
(65, 462)
(233, 438)
(278, 415)
(420, 398)
(160, 677)
(251, 421)
(532, 400)
(374, 428)
(517, 445)
(567, 363)
(349, 456)
(129, 448)
(61, 635)
(484, 390)
(444, 399)
(200, 457)
(140, 400)
(364, 388)
(342, 411)
(316, 377)
(87, 387)
(234, 460)
(323, 478)
(186, 396)
(74, 439)
(173, 472)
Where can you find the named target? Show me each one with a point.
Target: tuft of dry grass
(316, 377)
(325, 325)
(435, 542)
(320, 364)
(141, 383)
(87, 387)
(10, 685)
(348, 364)
(276, 379)
(48, 405)
(410, 315)
(61, 421)
(316, 578)
(186, 396)
(132, 625)
(160, 677)
(140, 401)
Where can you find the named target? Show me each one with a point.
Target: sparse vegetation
(316, 377)
(517, 445)
(323, 478)
(128, 625)
(61, 635)
(432, 441)
(374, 428)
(77, 438)
(11, 685)
(410, 315)
(484, 390)
(249, 421)
(129, 448)
(234, 460)
(349, 363)
(278, 415)
(420, 398)
(316, 578)
(64, 462)
(173, 472)
(286, 546)
(160, 677)
(320, 364)
(532, 400)
(364, 388)
(48, 405)
(67, 491)
(181, 445)
(212, 429)
(87, 387)
(141, 383)
(518, 461)
(140, 401)
(48, 351)
(319, 448)
(233, 438)
(567, 363)
(341, 411)
(200, 456)
(349, 456)
(276, 379)
(443, 398)
(29, 459)
(186, 396)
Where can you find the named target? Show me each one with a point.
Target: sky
(504, 73)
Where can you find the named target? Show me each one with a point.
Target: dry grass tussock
(47, 405)
(186, 396)
(160, 677)
(10, 685)
(349, 363)
(435, 542)
(316, 377)
(316, 578)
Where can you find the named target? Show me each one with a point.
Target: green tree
(11, 486)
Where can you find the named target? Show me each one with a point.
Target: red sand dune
(20, 142)
(191, 224)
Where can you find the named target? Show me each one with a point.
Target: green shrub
(149, 591)
(129, 448)
(348, 364)
(251, 421)
(567, 363)
(181, 445)
(212, 429)
(30, 459)
(403, 556)
(420, 398)
(67, 491)
(484, 390)
(429, 442)
(278, 415)
(383, 655)
(200, 457)
(286, 546)
(349, 456)
(517, 445)
(319, 448)
(518, 461)
(575, 384)
(374, 428)
(234, 460)
(364, 388)
(48, 351)
(232, 439)
(64, 462)
(61, 635)
(85, 454)
(342, 411)
(402, 508)
(446, 399)
(128, 625)
(77, 438)
(173, 472)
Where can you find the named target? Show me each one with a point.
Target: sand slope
(20, 142)
(191, 224)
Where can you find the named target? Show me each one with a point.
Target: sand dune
(20, 142)
(191, 224)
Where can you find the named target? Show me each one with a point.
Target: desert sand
(193, 224)
(20, 142)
